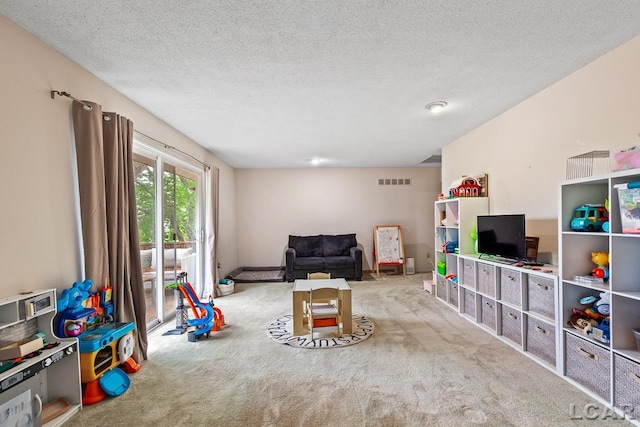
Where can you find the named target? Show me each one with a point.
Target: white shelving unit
(517, 305)
(455, 221)
(608, 372)
(48, 378)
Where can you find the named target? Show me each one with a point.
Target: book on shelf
(589, 279)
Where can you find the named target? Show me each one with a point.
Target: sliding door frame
(148, 148)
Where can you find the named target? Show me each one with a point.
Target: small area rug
(280, 331)
(257, 274)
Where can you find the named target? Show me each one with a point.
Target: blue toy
(589, 218)
(106, 296)
(449, 247)
(594, 320)
(203, 323)
(601, 332)
(599, 307)
(71, 310)
(72, 298)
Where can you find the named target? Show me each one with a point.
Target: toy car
(601, 332)
(589, 218)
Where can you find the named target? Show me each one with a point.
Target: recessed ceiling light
(315, 162)
(436, 106)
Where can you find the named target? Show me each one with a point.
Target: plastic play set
(105, 346)
(206, 317)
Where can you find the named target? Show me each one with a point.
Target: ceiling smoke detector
(436, 106)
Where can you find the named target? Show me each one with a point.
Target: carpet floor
(424, 366)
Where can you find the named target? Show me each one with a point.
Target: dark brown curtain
(104, 144)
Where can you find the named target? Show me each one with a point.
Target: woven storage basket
(541, 340)
(541, 296)
(626, 390)
(441, 288)
(511, 324)
(511, 286)
(487, 279)
(488, 312)
(469, 273)
(588, 364)
(469, 303)
(226, 288)
(453, 293)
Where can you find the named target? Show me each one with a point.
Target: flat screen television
(503, 236)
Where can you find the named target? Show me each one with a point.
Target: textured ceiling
(276, 83)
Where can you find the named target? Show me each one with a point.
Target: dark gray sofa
(338, 255)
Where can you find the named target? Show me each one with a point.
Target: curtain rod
(87, 107)
(167, 146)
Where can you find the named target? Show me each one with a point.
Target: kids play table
(301, 288)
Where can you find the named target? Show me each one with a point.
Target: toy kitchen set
(39, 371)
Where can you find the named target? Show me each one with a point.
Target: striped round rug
(280, 331)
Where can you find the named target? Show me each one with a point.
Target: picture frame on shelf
(483, 180)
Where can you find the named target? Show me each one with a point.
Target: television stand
(493, 258)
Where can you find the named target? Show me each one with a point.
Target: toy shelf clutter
(104, 345)
(514, 303)
(41, 384)
(600, 307)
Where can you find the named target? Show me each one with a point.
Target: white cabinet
(455, 222)
(44, 382)
(609, 371)
(518, 305)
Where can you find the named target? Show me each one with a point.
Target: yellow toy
(601, 259)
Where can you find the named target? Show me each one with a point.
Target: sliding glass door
(169, 201)
(179, 231)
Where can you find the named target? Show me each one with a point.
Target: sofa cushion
(146, 255)
(339, 262)
(309, 263)
(338, 245)
(306, 246)
(170, 257)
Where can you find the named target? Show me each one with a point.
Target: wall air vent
(394, 181)
(433, 159)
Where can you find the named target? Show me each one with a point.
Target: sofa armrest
(290, 258)
(356, 254)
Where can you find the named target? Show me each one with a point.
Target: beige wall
(524, 150)
(39, 231)
(273, 203)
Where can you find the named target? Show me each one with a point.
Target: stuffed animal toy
(601, 259)
(603, 304)
(600, 307)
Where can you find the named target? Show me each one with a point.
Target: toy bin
(629, 198)
(636, 333)
(442, 267)
(226, 287)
